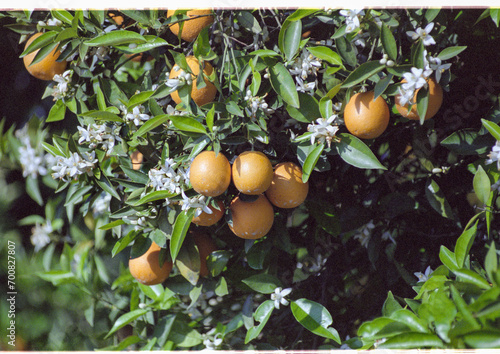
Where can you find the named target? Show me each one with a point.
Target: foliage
(378, 210)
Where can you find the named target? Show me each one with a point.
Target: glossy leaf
(484, 339)
(412, 341)
(410, 319)
(369, 329)
(326, 54)
(262, 283)
(125, 319)
(437, 199)
(356, 153)
(468, 142)
(291, 39)
(482, 185)
(472, 277)
(492, 127)
(308, 110)
(310, 162)
(284, 85)
(362, 73)
(315, 317)
(188, 262)
(57, 112)
(388, 42)
(179, 232)
(450, 52)
(188, 124)
(491, 263)
(262, 314)
(390, 306)
(464, 243)
(116, 38)
(448, 258)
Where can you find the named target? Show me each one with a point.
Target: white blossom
(212, 344)
(323, 130)
(182, 79)
(305, 87)
(254, 103)
(61, 89)
(137, 116)
(32, 162)
(304, 65)
(436, 65)
(494, 154)
(99, 135)
(364, 234)
(169, 177)
(352, 19)
(423, 34)
(414, 79)
(197, 202)
(279, 296)
(67, 168)
(40, 235)
(422, 277)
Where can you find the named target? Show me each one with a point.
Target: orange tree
(245, 93)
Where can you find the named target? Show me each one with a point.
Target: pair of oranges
(367, 118)
(253, 175)
(148, 270)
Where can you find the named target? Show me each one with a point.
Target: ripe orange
(366, 118)
(48, 66)
(252, 172)
(251, 220)
(287, 189)
(199, 96)
(209, 174)
(205, 246)
(138, 58)
(205, 219)
(435, 102)
(146, 268)
(192, 28)
(137, 157)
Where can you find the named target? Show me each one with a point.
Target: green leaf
(491, 263)
(464, 243)
(482, 185)
(310, 162)
(262, 314)
(448, 258)
(412, 341)
(463, 309)
(217, 261)
(183, 335)
(346, 51)
(422, 103)
(390, 306)
(451, 52)
(492, 127)
(248, 21)
(484, 339)
(115, 38)
(179, 231)
(362, 73)
(39, 42)
(382, 85)
(262, 283)
(188, 124)
(103, 115)
(437, 200)
(151, 124)
(325, 53)
(472, 277)
(62, 15)
(122, 243)
(388, 42)
(417, 55)
(291, 39)
(33, 190)
(468, 142)
(356, 153)
(369, 329)
(314, 317)
(153, 196)
(411, 320)
(134, 175)
(282, 82)
(58, 277)
(139, 98)
(188, 263)
(57, 112)
(106, 186)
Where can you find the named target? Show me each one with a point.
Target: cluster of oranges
(260, 187)
(367, 118)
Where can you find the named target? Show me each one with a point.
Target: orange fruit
(146, 268)
(205, 246)
(192, 28)
(200, 96)
(435, 102)
(138, 58)
(209, 174)
(365, 117)
(137, 157)
(205, 219)
(287, 189)
(251, 220)
(117, 18)
(252, 172)
(48, 66)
